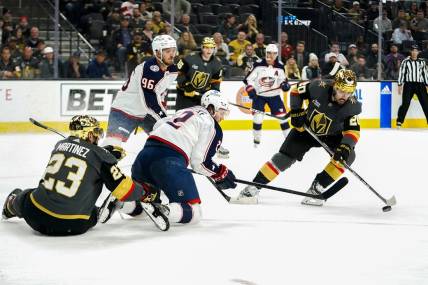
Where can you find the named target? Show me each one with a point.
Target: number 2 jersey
(145, 90)
(195, 134)
(74, 178)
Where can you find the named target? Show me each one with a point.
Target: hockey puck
(386, 208)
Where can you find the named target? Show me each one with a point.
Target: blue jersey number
(180, 120)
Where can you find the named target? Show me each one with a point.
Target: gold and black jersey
(198, 75)
(74, 178)
(324, 116)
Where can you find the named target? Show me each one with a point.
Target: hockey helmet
(163, 42)
(208, 42)
(213, 97)
(345, 80)
(81, 125)
(271, 48)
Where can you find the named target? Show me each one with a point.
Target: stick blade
(335, 188)
(391, 201)
(36, 123)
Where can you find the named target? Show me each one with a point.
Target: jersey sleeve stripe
(354, 135)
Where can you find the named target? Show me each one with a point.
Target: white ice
(347, 241)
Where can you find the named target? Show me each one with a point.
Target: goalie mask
(346, 81)
(214, 98)
(81, 125)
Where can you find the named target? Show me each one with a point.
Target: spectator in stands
(38, 51)
(362, 47)
(372, 56)
(259, 46)
(46, 66)
(24, 26)
(147, 38)
(286, 48)
(392, 63)
(7, 25)
(137, 20)
(97, 68)
(352, 55)
(329, 64)
(157, 21)
(413, 11)
(237, 46)
(8, 68)
(28, 64)
(113, 21)
(185, 25)
(73, 68)
(419, 26)
(339, 7)
(356, 13)
(291, 69)
(180, 7)
(14, 51)
(20, 40)
(229, 28)
(146, 14)
(167, 30)
(136, 51)
(373, 12)
(186, 44)
(401, 34)
(401, 17)
(300, 55)
(34, 39)
(424, 53)
(361, 70)
(334, 48)
(247, 59)
(122, 39)
(250, 28)
(127, 8)
(222, 49)
(383, 24)
(312, 70)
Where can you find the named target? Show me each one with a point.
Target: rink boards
(56, 102)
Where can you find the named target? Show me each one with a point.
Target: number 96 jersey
(195, 134)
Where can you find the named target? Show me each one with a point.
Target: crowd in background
(125, 29)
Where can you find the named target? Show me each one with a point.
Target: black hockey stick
(285, 117)
(389, 202)
(38, 124)
(336, 187)
(224, 195)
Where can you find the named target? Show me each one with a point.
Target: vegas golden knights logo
(200, 79)
(320, 123)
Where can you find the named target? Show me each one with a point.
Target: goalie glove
(116, 151)
(224, 178)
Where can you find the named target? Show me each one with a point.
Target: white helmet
(271, 48)
(162, 42)
(213, 97)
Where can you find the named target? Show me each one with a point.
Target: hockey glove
(224, 178)
(285, 86)
(189, 91)
(116, 151)
(342, 152)
(298, 118)
(251, 92)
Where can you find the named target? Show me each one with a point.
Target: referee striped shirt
(413, 71)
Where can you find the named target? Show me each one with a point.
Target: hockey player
(332, 114)
(192, 136)
(198, 73)
(139, 102)
(264, 84)
(64, 201)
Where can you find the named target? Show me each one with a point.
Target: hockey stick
(38, 124)
(277, 88)
(224, 195)
(389, 202)
(285, 117)
(336, 187)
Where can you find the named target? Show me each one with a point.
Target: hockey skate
(315, 189)
(158, 214)
(256, 143)
(110, 205)
(248, 195)
(7, 212)
(223, 152)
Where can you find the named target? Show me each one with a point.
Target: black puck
(386, 208)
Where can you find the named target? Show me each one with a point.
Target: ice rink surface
(279, 241)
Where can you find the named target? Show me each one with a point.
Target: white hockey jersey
(266, 77)
(195, 134)
(145, 90)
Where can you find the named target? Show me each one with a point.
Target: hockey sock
(284, 125)
(267, 173)
(331, 173)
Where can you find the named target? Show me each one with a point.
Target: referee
(414, 77)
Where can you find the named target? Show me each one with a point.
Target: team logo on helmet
(345, 80)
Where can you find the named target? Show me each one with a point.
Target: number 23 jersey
(195, 134)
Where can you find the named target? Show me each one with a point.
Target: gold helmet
(345, 80)
(208, 42)
(81, 125)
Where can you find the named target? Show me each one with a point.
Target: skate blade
(244, 200)
(222, 156)
(312, 202)
(158, 218)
